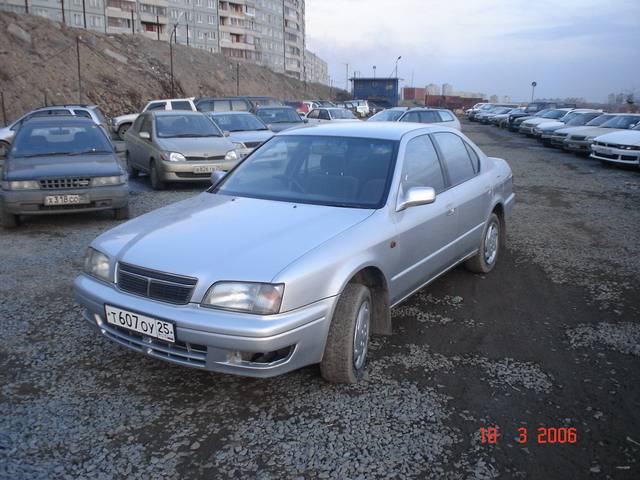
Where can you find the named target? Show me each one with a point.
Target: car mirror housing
(226, 133)
(144, 135)
(216, 176)
(416, 196)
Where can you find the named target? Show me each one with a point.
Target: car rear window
(157, 106)
(445, 116)
(455, 156)
(180, 105)
(240, 106)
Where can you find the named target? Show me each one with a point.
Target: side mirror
(305, 120)
(226, 133)
(216, 176)
(269, 126)
(144, 135)
(416, 196)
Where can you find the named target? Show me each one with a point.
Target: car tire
(4, 148)
(9, 220)
(131, 170)
(122, 213)
(345, 352)
(154, 175)
(486, 258)
(122, 130)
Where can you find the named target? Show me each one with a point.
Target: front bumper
(185, 171)
(616, 155)
(526, 129)
(210, 339)
(31, 202)
(578, 146)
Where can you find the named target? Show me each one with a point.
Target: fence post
(4, 110)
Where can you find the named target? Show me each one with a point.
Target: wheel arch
(373, 278)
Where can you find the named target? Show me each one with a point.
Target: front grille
(165, 287)
(193, 175)
(75, 206)
(252, 144)
(206, 159)
(560, 135)
(189, 354)
(63, 183)
(606, 155)
(577, 139)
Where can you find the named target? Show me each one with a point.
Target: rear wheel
(122, 130)
(156, 182)
(486, 258)
(122, 213)
(345, 353)
(131, 170)
(9, 220)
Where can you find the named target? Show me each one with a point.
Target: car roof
(55, 120)
(233, 112)
(381, 130)
(276, 107)
(168, 113)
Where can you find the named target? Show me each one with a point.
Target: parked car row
(434, 116)
(608, 137)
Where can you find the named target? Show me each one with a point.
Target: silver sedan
(298, 254)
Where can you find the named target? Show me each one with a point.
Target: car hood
(251, 136)
(218, 237)
(196, 147)
(592, 131)
(35, 168)
(279, 127)
(128, 118)
(550, 126)
(621, 137)
(537, 121)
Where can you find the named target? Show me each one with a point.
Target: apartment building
(267, 32)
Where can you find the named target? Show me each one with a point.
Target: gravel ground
(549, 339)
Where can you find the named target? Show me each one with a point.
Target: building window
(211, 20)
(199, 18)
(77, 19)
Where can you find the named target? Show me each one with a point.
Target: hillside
(119, 72)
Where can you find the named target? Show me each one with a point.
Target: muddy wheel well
(373, 278)
(499, 211)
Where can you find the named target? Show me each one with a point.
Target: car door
(132, 140)
(145, 146)
(323, 115)
(427, 233)
(313, 116)
(472, 188)
(411, 117)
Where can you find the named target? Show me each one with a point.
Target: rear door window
(411, 117)
(475, 160)
(313, 114)
(82, 113)
(456, 157)
(180, 105)
(429, 117)
(221, 106)
(239, 105)
(324, 115)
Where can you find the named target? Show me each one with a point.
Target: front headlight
(231, 156)
(589, 139)
(173, 157)
(240, 145)
(104, 181)
(21, 185)
(96, 264)
(256, 298)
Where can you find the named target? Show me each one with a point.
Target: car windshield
(238, 122)
(622, 121)
(596, 122)
(333, 171)
(185, 126)
(341, 113)
(38, 140)
(541, 113)
(487, 106)
(278, 115)
(517, 110)
(579, 119)
(555, 114)
(386, 116)
(501, 110)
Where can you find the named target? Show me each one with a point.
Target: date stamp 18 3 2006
(541, 435)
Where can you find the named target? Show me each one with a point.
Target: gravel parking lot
(551, 338)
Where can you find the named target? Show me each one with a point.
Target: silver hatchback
(298, 254)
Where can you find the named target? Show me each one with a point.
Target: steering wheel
(291, 181)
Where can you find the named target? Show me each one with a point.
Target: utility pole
(64, 21)
(238, 79)
(346, 82)
(533, 89)
(79, 74)
(4, 110)
(157, 25)
(133, 24)
(26, 6)
(187, 32)
(84, 14)
(171, 37)
(374, 72)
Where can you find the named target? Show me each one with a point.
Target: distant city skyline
(576, 48)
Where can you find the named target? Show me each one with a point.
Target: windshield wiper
(90, 152)
(45, 154)
(187, 135)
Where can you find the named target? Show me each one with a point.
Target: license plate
(65, 199)
(572, 145)
(205, 169)
(151, 327)
(606, 151)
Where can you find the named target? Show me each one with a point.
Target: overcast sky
(572, 48)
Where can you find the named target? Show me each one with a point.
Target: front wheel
(9, 220)
(345, 353)
(131, 170)
(486, 258)
(122, 130)
(122, 213)
(156, 181)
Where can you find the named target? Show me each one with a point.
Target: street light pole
(174, 37)
(533, 89)
(397, 60)
(374, 72)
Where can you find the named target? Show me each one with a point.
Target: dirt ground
(549, 339)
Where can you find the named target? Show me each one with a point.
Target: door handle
(451, 210)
